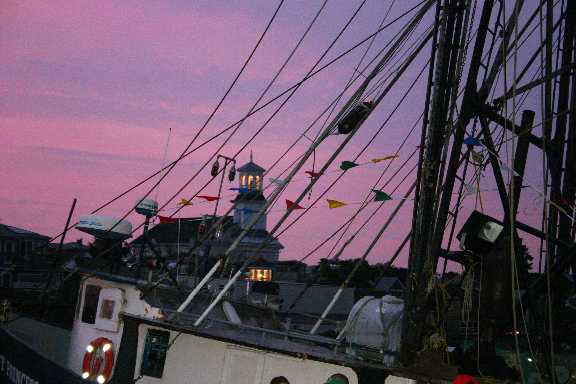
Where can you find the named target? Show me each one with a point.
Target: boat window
(107, 309)
(154, 353)
(91, 296)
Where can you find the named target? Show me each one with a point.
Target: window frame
(160, 349)
(89, 313)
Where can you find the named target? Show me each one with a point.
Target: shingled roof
(167, 233)
(251, 167)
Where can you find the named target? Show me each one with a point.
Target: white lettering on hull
(13, 373)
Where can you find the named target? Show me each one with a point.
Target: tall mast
(422, 262)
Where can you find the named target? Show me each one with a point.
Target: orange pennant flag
(335, 204)
(289, 205)
(384, 158)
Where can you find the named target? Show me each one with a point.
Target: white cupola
(250, 198)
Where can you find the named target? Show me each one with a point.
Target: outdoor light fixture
(202, 226)
(232, 173)
(215, 168)
(479, 233)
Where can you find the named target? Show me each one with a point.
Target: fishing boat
(136, 322)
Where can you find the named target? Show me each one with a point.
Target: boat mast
(422, 261)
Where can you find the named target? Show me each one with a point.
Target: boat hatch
(101, 307)
(242, 366)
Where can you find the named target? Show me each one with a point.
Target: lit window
(258, 182)
(260, 274)
(250, 181)
(154, 353)
(107, 309)
(244, 181)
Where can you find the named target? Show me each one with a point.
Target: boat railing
(286, 334)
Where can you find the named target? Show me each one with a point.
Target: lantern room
(251, 175)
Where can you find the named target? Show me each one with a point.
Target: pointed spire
(250, 155)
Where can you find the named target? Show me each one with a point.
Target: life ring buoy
(98, 360)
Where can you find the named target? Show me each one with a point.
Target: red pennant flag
(312, 174)
(165, 220)
(209, 198)
(289, 205)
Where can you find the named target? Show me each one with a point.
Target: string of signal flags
(379, 195)
(345, 165)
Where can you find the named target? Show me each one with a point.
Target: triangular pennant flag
(347, 165)
(557, 206)
(423, 146)
(209, 198)
(240, 190)
(276, 181)
(312, 174)
(506, 168)
(289, 205)
(385, 158)
(477, 157)
(165, 220)
(184, 202)
(335, 204)
(470, 189)
(472, 141)
(380, 196)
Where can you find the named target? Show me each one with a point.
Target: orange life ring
(98, 360)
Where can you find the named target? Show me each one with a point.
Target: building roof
(73, 246)
(251, 167)
(10, 231)
(251, 196)
(389, 284)
(167, 233)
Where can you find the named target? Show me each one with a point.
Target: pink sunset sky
(89, 91)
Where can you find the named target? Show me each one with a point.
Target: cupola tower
(250, 198)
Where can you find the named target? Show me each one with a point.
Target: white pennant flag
(507, 169)
(470, 189)
(276, 181)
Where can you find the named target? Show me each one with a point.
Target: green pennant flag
(347, 165)
(380, 196)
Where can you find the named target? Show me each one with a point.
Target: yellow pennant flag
(557, 206)
(335, 204)
(384, 158)
(185, 202)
